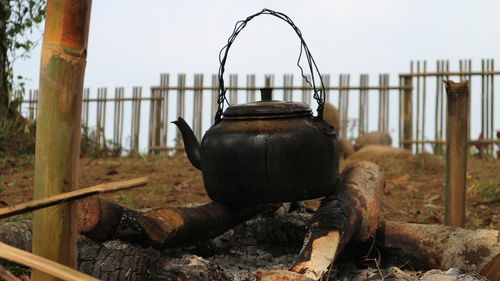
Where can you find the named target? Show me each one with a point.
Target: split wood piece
(7, 275)
(435, 246)
(42, 264)
(72, 195)
(171, 227)
(350, 213)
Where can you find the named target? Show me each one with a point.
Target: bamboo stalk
(45, 265)
(62, 68)
(70, 196)
(456, 152)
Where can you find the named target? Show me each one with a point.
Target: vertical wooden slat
(469, 78)
(164, 82)
(30, 105)
(438, 148)
(197, 105)
(408, 109)
(424, 101)
(456, 152)
(151, 125)
(133, 120)
(85, 107)
(101, 118)
(383, 114)
(380, 103)
(181, 84)
(326, 83)
(269, 80)
(418, 119)
(215, 96)
(492, 105)
(118, 118)
(483, 101)
(35, 97)
(136, 119)
(401, 115)
(288, 85)
(233, 92)
(115, 118)
(344, 103)
(251, 87)
(120, 124)
(98, 118)
(158, 119)
(363, 104)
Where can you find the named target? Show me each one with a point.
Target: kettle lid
(268, 107)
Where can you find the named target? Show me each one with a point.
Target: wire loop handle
(319, 94)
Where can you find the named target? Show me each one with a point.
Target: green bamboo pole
(62, 70)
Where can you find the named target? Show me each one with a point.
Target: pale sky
(132, 42)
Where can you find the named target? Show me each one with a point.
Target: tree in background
(17, 19)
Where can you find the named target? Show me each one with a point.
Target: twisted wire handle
(319, 94)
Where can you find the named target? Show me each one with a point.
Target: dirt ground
(414, 190)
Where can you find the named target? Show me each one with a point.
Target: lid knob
(266, 94)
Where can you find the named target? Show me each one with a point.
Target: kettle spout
(191, 144)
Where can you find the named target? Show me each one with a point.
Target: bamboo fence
(414, 107)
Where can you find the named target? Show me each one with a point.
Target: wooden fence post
(456, 151)
(407, 112)
(64, 55)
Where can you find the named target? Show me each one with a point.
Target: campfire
(259, 161)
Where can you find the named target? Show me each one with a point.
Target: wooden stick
(72, 195)
(7, 275)
(28, 259)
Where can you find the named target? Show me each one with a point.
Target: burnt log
(100, 221)
(350, 213)
(426, 246)
(173, 227)
(269, 241)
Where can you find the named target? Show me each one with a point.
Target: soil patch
(414, 190)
